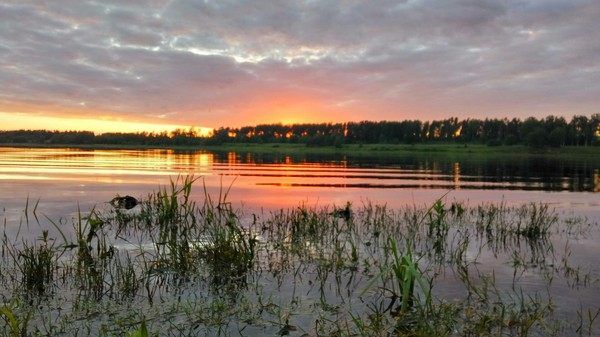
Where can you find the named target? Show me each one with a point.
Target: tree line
(551, 131)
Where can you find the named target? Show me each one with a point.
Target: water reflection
(456, 178)
(535, 174)
(337, 171)
(280, 180)
(84, 165)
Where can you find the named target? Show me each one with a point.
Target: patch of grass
(536, 221)
(192, 266)
(39, 265)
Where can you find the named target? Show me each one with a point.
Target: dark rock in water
(343, 213)
(127, 202)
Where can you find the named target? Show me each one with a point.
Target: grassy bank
(182, 267)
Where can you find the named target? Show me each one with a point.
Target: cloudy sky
(88, 64)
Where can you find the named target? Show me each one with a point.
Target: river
(65, 180)
(49, 188)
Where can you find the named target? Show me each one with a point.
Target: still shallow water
(60, 183)
(64, 181)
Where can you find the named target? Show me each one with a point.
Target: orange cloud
(285, 108)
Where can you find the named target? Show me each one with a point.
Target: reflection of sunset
(100, 165)
(255, 181)
(456, 176)
(258, 179)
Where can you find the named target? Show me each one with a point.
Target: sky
(160, 64)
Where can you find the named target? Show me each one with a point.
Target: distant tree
(580, 132)
(511, 139)
(218, 137)
(529, 125)
(512, 129)
(338, 142)
(595, 128)
(537, 137)
(557, 137)
(471, 130)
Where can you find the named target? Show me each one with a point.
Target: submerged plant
(194, 266)
(174, 218)
(93, 252)
(34, 266)
(406, 274)
(38, 268)
(228, 249)
(411, 312)
(536, 221)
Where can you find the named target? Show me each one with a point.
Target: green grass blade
(12, 321)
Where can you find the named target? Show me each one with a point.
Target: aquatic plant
(535, 220)
(38, 267)
(141, 332)
(15, 319)
(191, 265)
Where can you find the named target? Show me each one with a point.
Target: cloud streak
(215, 63)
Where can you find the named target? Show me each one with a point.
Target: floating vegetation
(176, 266)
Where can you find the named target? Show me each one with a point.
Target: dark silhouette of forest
(546, 132)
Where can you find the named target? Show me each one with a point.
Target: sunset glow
(99, 126)
(130, 67)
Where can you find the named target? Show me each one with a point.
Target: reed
(38, 267)
(535, 221)
(189, 264)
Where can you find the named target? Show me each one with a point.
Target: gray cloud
(219, 62)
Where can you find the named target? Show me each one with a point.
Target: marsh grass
(38, 266)
(187, 267)
(536, 221)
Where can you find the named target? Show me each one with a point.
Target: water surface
(63, 184)
(64, 178)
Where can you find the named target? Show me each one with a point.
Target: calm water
(64, 180)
